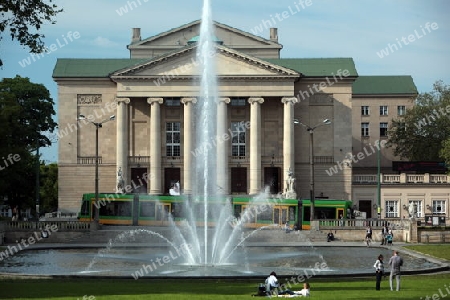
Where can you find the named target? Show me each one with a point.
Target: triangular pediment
(181, 36)
(183, 64)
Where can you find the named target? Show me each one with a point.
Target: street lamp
(311, 159)
(97, 126)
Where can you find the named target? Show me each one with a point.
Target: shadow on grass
(54, 288)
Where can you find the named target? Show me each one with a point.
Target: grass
(441, 251)
(436, 286)
(413, 287)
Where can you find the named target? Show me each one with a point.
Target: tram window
(122, 209)
(85, 208)
(266, 214)
(291, 213)
(325, 213)
(237, 210)
(177, 210)
(148, 209)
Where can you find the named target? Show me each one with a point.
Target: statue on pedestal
(290, 186)
(120, 181)
(411, 210)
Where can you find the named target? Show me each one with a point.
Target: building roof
(81, 67)
(317, 67)
(384, 85)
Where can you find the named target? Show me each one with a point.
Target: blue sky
(316, 28)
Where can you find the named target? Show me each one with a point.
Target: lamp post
(97, 126)
(311, 159)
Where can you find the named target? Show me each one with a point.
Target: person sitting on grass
(291, 294)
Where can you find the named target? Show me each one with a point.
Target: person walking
(395, 262)
(379, 271)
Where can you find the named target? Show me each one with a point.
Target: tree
(26, 111)
(49, 187)
(419, 135)
(445, 152)
(23, 18)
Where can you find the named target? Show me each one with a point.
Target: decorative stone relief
(88, 99)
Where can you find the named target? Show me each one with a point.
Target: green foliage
(49, 187)
(445, 152)
(26, 111)
(24, 18)
(418, 136)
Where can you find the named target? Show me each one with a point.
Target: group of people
(395, 263)
(386, 236)
(273, 287)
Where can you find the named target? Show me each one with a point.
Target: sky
(402, 37)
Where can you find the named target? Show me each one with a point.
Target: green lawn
(413, 287)
(440, 250)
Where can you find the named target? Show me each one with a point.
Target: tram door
(162, 212)
(280, 215)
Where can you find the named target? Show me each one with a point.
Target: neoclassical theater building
(153, 93)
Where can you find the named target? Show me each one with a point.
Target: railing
(41, 225)
(439, 178)
(365, 179)
(323, 160)
(390, 178)
(88, 160)
(137, 160)
(363, 223)
(402, 178)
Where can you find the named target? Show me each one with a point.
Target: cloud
(103, 42)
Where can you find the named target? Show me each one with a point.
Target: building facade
(150, 146)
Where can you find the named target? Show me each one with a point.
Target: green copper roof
(379, 85)
(68, 67)
(317, 67)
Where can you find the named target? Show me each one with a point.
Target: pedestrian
(379, 271)
(395, 262)
(271, 283)
(384, 232)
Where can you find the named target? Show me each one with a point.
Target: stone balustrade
(61, 225)
(402, 178)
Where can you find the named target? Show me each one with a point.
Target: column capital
(289, 100)
(225, 100)
(151, 101)
(123, 100)
(186, 101)
(256, 100)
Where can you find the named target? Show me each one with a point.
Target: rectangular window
(417, 207)
(383, 110)
(173, 139)
(391, 209)
(383, 129)
(365, 111)
(364, 129)
(439, 207)
(238, 138)
(172, 101)
(401, 110)
(238, 101)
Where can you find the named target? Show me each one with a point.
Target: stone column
(288, 137)
(255, 144)
(155, 145)
(222, 146)
(188, 135)
(121, 142)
